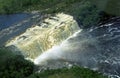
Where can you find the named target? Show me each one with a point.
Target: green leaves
(86, 13)
(13, 65)
(74, 72)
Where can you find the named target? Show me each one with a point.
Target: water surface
(15, 24)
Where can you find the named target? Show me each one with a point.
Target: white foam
(56, 52)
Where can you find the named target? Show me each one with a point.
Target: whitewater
(59, 42)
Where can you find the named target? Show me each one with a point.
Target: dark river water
(8, 20)
(15, 24)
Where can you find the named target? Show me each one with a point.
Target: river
(98, 48)
(15, 24)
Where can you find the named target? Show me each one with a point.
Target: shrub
(13, 65)
(86, 14)
(74, 72)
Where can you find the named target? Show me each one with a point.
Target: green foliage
(83, 11)
(74, 72)
(13, 65)
(87, 14)
(15, 6)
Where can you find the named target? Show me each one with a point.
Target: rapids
(97, 48)
(59, 42)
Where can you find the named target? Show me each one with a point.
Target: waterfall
(96, 49)
(75, 49)
(52, 31)
(58, 41)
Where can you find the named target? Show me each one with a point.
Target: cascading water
(41, 38)
(71, 51)
(59, 42)
(97, 48)
(14, 24)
